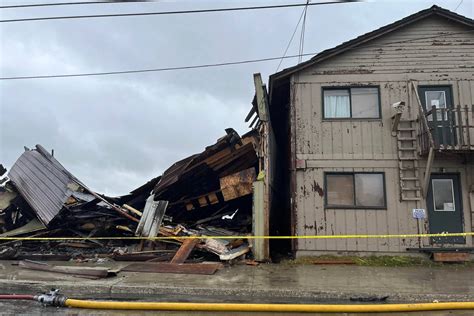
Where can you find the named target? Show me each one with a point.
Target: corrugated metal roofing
(43, 182)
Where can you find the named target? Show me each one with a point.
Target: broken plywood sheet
(237, 184)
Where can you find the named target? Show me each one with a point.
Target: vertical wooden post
(434, 116)
(468, 128)
(452, 127)
(429, 163)
(444, 127)
(262, 189)
(460, 124)
(259, 246)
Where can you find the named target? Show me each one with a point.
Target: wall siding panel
(418, 52)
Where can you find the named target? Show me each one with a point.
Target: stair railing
(425, 140)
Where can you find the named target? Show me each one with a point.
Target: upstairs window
(346, 103)
(355, 190)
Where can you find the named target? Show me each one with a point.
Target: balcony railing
(447, 130)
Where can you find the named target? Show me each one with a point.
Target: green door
(442, 125)
(444, 203)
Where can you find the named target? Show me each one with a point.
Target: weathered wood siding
(416, 52)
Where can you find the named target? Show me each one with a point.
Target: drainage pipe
(302, 308)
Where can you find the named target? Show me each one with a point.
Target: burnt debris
(206, 194)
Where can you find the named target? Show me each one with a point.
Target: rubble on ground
(206, 194)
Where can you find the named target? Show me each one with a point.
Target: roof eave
(434, 10)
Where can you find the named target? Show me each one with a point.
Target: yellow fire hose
(301, 308)
(54, 298)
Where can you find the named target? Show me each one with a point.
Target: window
(355, 190)
(438, 96)
(436, 99)
(351, 102)
(443, 195)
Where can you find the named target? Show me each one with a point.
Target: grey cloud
(116, 132)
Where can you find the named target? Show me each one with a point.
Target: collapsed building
(206, 194)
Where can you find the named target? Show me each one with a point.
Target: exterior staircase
(409, 180)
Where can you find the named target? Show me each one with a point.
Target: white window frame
(349, 89)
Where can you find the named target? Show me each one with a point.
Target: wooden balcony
(447, 130)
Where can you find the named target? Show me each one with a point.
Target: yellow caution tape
(243, 237)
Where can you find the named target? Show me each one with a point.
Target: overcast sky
(116, 132)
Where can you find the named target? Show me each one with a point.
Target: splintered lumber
(84, 272)
(217, 246)
(234, 253)
(117, 209)
(184, 251)
(237, 184)
(132, 210)
(151, 255)
(180, 268)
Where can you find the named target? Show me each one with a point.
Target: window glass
(365, 102)
(355, 190)
(369, 190)
(337, 104)
(340, 190)
(443, 195)
(437, 99)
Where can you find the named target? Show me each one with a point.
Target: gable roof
(328, 53)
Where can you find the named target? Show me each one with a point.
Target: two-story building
(363, 137)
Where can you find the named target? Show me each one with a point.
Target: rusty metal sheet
(180, 268)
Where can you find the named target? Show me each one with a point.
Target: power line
(17, 6)
(460, 2)
(249, 61)
(176, 12)
(303, 28)
(150, 70)
(291, 38)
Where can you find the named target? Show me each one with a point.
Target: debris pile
(206, 194)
